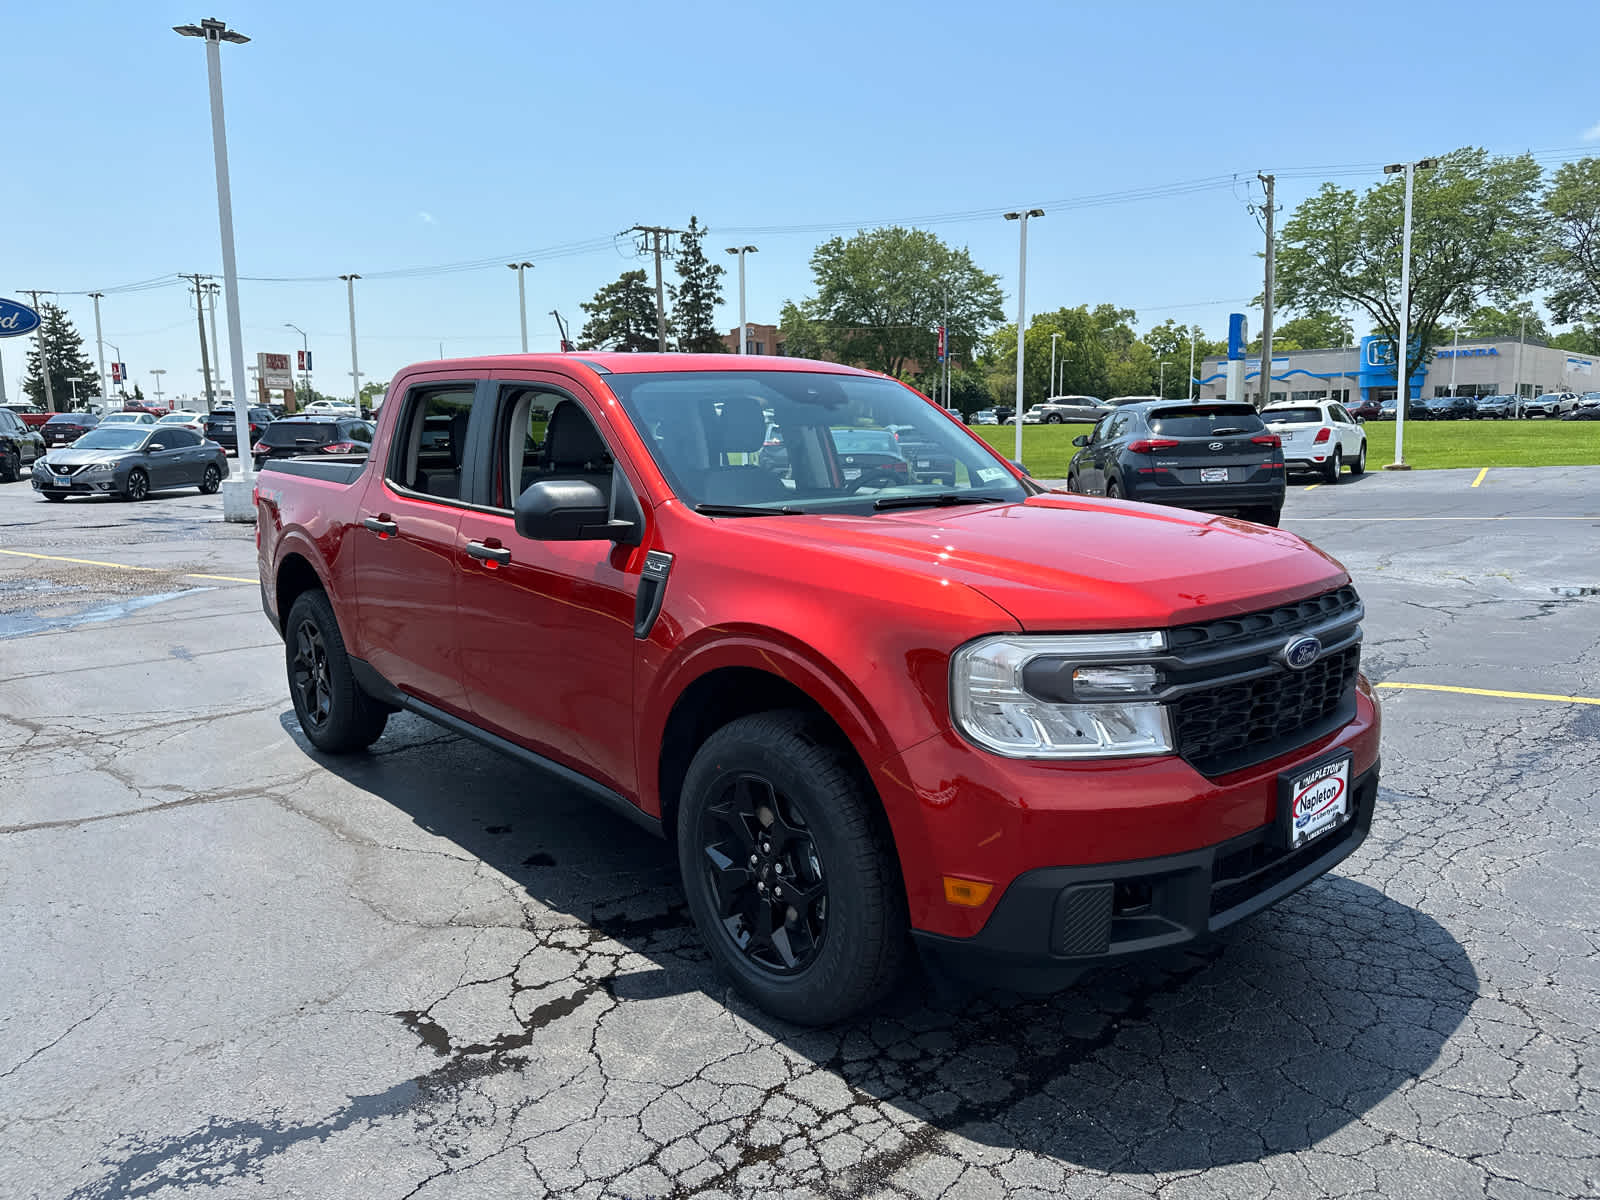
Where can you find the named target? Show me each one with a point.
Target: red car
(155, 410)
(1022, 732)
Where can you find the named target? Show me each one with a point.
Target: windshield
(112, 437)
(1292, 416)
(1196, 420)
(707, 431)
(176, 419)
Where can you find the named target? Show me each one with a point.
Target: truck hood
(1065, 563)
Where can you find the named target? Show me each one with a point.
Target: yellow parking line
(1479, 479)
(1311, 487)
(95, 562)
(1467, 691)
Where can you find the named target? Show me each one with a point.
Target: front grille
(1272, 622)
(1216, 726)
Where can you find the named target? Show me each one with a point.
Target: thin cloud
(1592, 134)
(427, 217)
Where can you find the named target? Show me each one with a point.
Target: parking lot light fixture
(522, 300)
(741, 251)
(1403, 350)
(1021, 216)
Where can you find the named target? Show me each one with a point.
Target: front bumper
(94, 485)
(1222, 497)
(1054, 922)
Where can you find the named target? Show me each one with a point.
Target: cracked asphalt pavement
(233, 968)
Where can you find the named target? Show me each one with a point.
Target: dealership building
(1482, 367)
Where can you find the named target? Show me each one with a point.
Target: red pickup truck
(873, 710)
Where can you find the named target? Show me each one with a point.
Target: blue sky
(373, 137)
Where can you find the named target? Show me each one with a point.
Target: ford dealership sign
(16, 318)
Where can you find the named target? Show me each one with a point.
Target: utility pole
(216, 356)
(522, 302)
(100, 345)
(200, 318)
(651, 239)
(1268, 181)
(44, 354)
(355, 370)
(1021, 216)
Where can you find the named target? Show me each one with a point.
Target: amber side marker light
(968, 893)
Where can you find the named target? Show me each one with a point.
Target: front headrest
(742, 427)
(571, 440)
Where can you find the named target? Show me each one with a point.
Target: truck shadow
(1267, 1039)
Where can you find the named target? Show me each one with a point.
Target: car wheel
(138, 485)
(10, 467)
(210, 481)
(1359, 467)
(1330, 469)
(1113, 490)
(1074, 486)
(335, 714)
(1053, 419)
(789, 869)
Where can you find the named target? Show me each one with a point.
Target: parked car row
(1549, 405)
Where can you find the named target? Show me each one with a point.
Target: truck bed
(333, 468)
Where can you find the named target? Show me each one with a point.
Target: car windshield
(176, 419)
(1204, 420)
(706, 431)
(125, 437)
(1292, 416)
(292, 433)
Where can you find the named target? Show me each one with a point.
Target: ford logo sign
(1301, 652)
(16, 318)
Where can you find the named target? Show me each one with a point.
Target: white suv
(1318, 435)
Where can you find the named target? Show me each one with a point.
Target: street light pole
(741, 251)
(355, 369)
(305, 358)
(1161, 375)
(1054, 338)
(1193, 334)
(1022, 308)
(1403, 351)
(74, 380)
(100, 346)
(522, 301)
(215, 33)
(158, 372)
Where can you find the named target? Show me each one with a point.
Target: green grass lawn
(1047, 449)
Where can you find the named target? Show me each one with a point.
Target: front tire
(210, 481)
(789, 870)
(1053, 419)
(1113, 490)
(335, 714)
(138, 486)
(1330, 469)
(1266, 516)
(1359, 467)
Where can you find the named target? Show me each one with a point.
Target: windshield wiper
(1227, 429)
(937, 500)
(746, 510)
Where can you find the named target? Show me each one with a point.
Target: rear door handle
(383, 528)
(493, 556)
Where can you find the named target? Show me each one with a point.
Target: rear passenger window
(431, 441)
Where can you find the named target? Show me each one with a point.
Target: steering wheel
(871, 477)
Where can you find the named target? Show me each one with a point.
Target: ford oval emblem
(16, 318)
(1301, 652)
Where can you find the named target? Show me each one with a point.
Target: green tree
(62, 348)
(1170, 342)
(802, 337)
(696, 296)
(1582, 338)
(1476, 233)
(372, 393)
(1486, 321)
(1083, 354)
(881, 294)
(622, 316)
(1314, 331)
(138, 394)
(1572, 252)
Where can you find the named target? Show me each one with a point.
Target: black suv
(1207, 455)
(290, 436)
(19, 446)
(220, 427)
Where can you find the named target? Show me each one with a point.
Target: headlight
(1061, 696)
(102, 468)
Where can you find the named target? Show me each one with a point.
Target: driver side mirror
(154, 446)
(1081, 440)
(569, 510)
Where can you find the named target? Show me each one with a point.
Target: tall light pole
(215, 33)
(1194, 333)
(1054, 338)
(741, 251)
(1455, 353)
(100, 345)
(74, 380)
(158, 372)
(522, 300)
(305, 357)
(355, 369)
(1403, 351)
(1022, 308)
(1516, 371)
(211, 290)
(1161, 387)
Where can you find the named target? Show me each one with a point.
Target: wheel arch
(295, 576)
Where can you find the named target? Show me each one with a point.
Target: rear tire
(138, 485)
(1266, 516)
(1330, 469)
(335, 714)
(1113, 490)
(777, 788)
(1359, 467)
(10, 467)
(210, 481)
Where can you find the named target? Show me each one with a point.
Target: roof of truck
(615, 363)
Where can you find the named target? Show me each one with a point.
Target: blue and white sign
(16, 318)
(1238, 336)
(1470, 352)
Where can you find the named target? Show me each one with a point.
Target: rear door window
(430, 449)
(1208, 420)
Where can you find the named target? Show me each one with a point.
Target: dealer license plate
(1213, 474)
(62, 480)
(1317, 801)
(852, 472)
(924, 463)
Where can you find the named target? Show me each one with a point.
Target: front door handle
(489, 556)
(381, 525)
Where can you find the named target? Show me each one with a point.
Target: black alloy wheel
(138, 485)
(334, 713)
(309, 676)
(764, 875)
(211, 480)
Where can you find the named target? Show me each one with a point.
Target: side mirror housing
(569, 510)
(1081, 440)
(154, 446)
(1020, 467)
